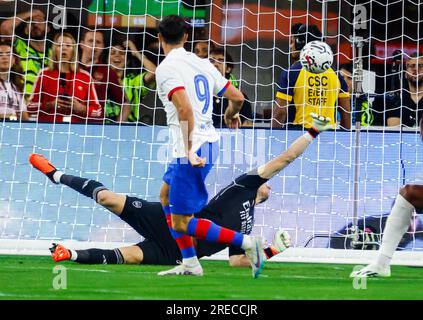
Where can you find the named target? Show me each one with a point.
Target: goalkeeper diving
(227, 208)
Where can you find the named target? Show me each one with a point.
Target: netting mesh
(122, 139)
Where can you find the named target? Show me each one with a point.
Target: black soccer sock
(99, 256)
(50, 175)
(87, 187)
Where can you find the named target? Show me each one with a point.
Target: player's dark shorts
(188, 193)
(159, 247)
(148, 219)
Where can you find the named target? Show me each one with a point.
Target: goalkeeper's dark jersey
(233, 208)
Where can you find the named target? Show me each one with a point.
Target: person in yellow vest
(310, 92)
(31, 46)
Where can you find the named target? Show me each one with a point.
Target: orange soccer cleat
(59, 252)
(41, 163)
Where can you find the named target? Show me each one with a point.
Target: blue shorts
(188, 193)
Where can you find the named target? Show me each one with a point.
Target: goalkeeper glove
(320, 123)
(281, 240)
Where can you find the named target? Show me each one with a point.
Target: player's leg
(158, 248)
(90, 188)
(164, 200)
(132, 254)
(409, 199)
(183, 192)
(127, 255)
(193, 198)
(112, 201)
(161, 251)
(204, 229)
(414, 195)
(190, 265)
(188, 194)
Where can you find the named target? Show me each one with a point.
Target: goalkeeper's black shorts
(148, 219)
(159, 247)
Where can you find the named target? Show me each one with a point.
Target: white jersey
(201, 81)
(11, 101)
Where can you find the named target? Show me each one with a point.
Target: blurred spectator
(106, 81)
(202, 48)
(370, 231)
(294, 44)
(407, 109)
(63, 89)
(367, 116)
(309, 92)
(346, 72)
(154, 52)
(151, 110)
(223, 62)
(31, 45)
(12, 104)
(136, 83)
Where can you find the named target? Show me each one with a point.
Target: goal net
(333, 200)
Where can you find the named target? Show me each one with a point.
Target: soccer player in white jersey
(409, 200)
(186, 85)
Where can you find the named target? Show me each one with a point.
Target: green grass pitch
(31, 277)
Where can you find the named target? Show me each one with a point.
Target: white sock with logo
(57, 175)
(74, 255)
(247, 242)
(191, 262)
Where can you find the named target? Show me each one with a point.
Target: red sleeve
(35, 98)
(115, 89)
(171, 92)
(93, 105)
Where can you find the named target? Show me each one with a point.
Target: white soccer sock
(57, 175)
(74, 255)
(246, 242)
(191, 262)
(396, 225)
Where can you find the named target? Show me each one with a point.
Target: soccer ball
(316, 57)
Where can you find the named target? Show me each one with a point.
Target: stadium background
(313, 197)
(256, 35)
